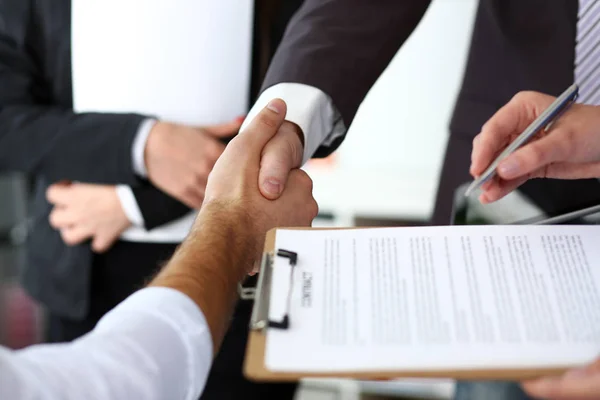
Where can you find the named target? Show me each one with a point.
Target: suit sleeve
(156, 207)
(38, 137)
(341, 47)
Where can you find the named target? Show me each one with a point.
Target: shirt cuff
(182, 315)
(139, 146)
(130, 205)
(309, 108)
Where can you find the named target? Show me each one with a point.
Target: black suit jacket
(41, 135)
(342, 46)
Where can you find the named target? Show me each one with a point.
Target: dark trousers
(128, 266)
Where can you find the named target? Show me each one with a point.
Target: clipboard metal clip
(259, 319)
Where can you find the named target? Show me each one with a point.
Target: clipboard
(255, 360)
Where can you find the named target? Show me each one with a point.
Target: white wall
(390, 160)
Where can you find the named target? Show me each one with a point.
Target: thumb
(262, 128)
(282, 154)
(225, 130)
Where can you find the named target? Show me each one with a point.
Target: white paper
(186, 61)
(436, 298)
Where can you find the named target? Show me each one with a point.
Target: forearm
(342, 46)
(211, 262)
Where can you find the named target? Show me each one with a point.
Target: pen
(545, 120)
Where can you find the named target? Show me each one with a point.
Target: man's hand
(83, 212)
(233, 182)
(179, 158)
(228, 234)
(282, 154)
(569, 150)
(578, 384)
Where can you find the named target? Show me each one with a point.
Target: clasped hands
(179, 160)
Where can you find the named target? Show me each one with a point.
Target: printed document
(436, 299)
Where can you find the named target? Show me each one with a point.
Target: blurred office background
(385, 173)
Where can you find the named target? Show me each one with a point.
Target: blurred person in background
(115, 191)
(569, 150)
(159, 343)
(334, 51)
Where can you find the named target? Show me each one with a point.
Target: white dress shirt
(155, 345)
(309, 108)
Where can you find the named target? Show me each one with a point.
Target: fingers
(102, 242)
(262, 128)
(504, 125)
(578, 384)
(497, 189)
(281, 154)
(75, 235)
(193, 198)
(301, 183)
(536, 155)
(61, 218)
(225, 130)
(58, 193)
(192, 194)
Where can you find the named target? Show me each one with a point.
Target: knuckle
(100, 245)
(313, 209)
(68, 238)
(536, 154)
(191, 183)
(524, 95)
(53, 219)
(307, 181)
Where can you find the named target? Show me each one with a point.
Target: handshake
(254, 178)
(179, 158)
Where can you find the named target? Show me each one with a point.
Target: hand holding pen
(536, 136)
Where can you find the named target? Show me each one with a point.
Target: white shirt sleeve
(130, 205)
(139, 146)
(155, 345)
(308, 107)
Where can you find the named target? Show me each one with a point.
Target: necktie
(587, 52)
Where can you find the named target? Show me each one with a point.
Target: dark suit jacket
(42, 136)
(342, 46)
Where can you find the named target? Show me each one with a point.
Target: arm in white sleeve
(155, 345)
(130, 205)
(139, 146)
(310, 109)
